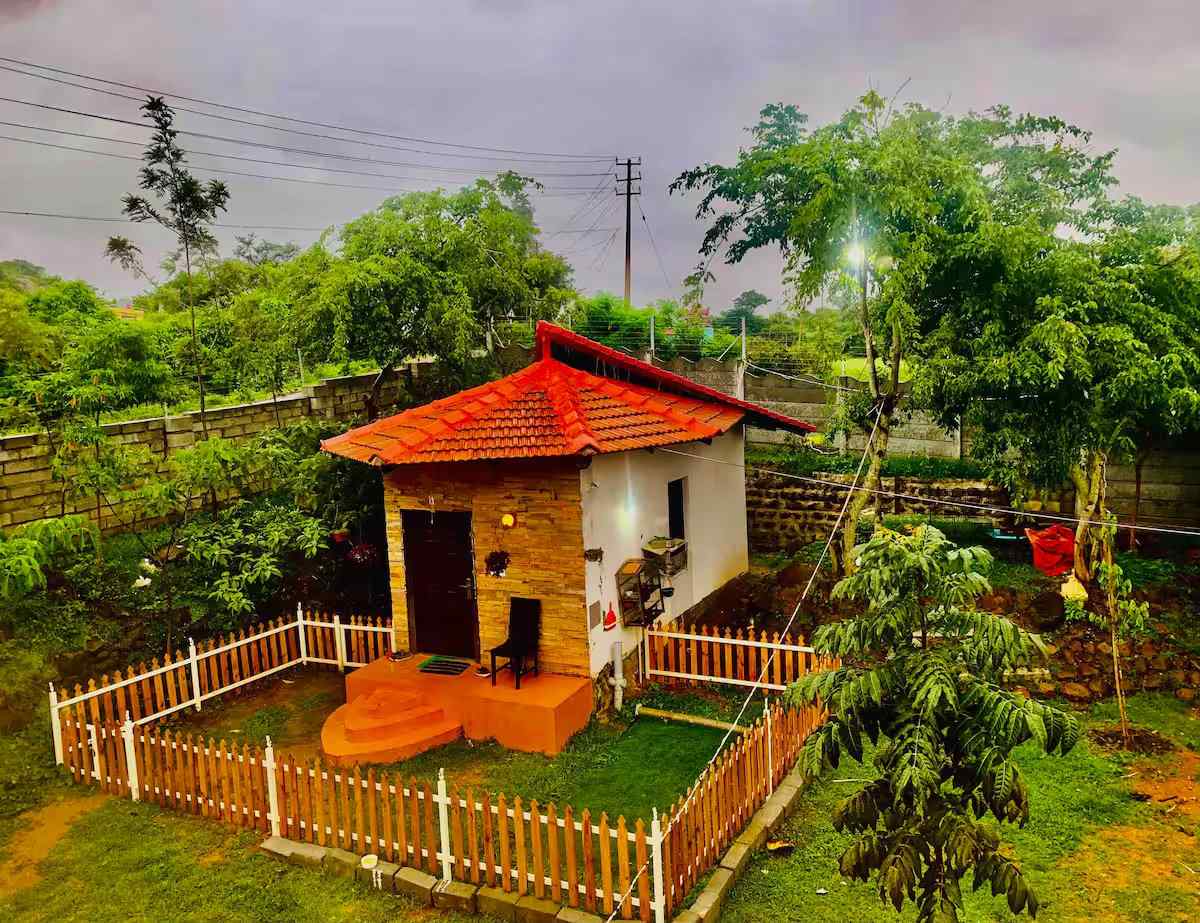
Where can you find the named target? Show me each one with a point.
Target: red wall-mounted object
(610, 618)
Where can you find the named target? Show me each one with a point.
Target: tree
(258, 252)
(427, 273)
(878, 198)
(928, 699)
(1100, 336)
(27, 551)
(744, 307)
(187, 208)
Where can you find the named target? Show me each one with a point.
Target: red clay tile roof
(553, 409)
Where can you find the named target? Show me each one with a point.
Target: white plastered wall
(625, 505)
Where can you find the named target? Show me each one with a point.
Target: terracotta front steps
(385, 726)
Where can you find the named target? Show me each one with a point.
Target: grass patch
(135, 862)
(1075, 800)
(28, 776)
(624, 770)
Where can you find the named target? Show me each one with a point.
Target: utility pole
(629, 192)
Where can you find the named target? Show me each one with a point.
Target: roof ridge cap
(564, 401)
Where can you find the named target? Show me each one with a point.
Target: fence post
(339, 643)
(660, 891)
(300, 632)
(127, 731)
(770, 748)
(272, 789)
(443, 803)
(56, 727)
(195, 672)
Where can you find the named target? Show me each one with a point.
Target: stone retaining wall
(29, 492)
(784, 514)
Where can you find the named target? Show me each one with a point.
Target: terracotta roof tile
(553, 409)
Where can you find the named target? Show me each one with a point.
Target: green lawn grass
(1072, 799)
(136, 862)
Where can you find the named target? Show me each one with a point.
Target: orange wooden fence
(220, 665)
(705, 821)
(703, 654)
(577, 858)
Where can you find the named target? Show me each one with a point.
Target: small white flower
(141, 582)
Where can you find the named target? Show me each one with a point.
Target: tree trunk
(1114, 633)
(187, 288)
(1089, 502)
(877, 452)
(371, 400)
(1139, 461)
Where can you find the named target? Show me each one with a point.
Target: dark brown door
(439, 569)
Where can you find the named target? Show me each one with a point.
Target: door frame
(410, 608)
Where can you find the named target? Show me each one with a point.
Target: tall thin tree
(186, 207)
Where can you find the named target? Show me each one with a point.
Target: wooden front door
(439, 570)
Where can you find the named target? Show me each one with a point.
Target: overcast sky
(674, 83)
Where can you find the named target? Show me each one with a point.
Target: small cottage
(585, 495)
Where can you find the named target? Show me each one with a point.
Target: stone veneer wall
(28, 492)
(785, 515)
(545, 546)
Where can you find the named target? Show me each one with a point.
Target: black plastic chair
(521, 646)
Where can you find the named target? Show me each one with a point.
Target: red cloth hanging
(1053, 549)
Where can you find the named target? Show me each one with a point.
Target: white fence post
(443, 803)
(339, 643)
(127, 732)
(195, 673)
(770, 755)
(272, 790)
(300, 632)
(56, 727)
(660, 891)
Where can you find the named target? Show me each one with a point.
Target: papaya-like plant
(921, 681)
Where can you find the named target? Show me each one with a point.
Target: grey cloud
(674, 82)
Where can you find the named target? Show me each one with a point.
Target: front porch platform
(394, 711)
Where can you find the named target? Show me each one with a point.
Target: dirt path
(32, 843)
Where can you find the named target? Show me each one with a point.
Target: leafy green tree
(745, 308)
(913, 211)
(256, 251)
(1102, 337)
(187, 209)
(921, 684)
(427, 273)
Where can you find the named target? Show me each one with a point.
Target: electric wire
(247, 142)
(650, 233)
(294, 119)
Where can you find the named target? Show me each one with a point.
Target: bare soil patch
(1142, 741)
(32, 843)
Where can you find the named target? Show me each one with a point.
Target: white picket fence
(210, 670)
(703, 654)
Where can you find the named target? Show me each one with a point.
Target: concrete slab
(687, 916)
(532, 909)
(755, 834)
(737, 857)
(496, 902)
(379, 877)
(708, 905)
(307, 854)
(340, 861)
(415, 884)
(455, 895)
(276, 846)
(575, 915)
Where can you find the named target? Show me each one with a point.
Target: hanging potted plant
(496, 563)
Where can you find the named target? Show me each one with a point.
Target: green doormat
(446, 666)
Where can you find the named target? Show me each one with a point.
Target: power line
(286, 118)
(246, 142)
(662, 267)
(241, 227)
(266, 176)
(958, 504)
(273, 163)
